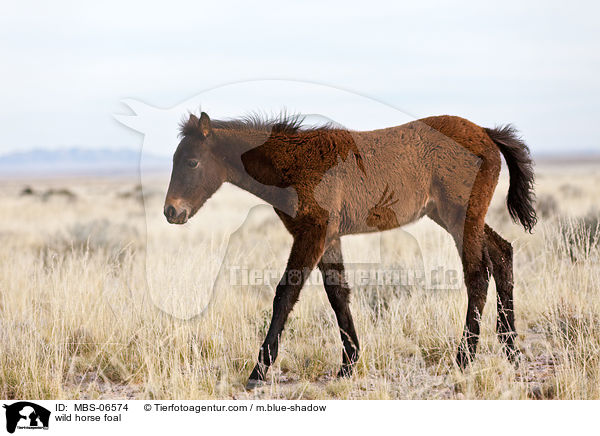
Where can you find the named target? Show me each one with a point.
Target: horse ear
(205, 126)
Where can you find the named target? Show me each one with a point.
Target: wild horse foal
(326, 182)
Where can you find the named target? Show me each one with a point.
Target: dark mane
(281, 123)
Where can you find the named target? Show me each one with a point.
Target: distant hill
(91, 162)
(77, 161)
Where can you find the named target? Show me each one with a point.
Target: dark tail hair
(521, 198)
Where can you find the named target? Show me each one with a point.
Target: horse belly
(373, 217)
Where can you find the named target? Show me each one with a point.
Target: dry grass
(95, 305)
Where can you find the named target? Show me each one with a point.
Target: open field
(100, 298)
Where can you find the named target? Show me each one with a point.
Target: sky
(66, 66)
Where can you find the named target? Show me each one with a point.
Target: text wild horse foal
(326, 182)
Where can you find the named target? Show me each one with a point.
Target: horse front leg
(306, 251)
(338, 293)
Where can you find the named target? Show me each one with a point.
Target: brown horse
(326, 182)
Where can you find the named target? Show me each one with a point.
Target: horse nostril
(170, 211)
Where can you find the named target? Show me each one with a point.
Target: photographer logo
(26, 415)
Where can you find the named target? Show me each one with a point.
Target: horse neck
(234, 144)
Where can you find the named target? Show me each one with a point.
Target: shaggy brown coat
(328, 182)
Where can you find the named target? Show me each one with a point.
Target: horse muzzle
(176, 215)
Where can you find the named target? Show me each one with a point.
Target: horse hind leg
(477, 268)
(501, 255)
(469, 238)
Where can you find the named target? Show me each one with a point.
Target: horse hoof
(253, 384)
(515, 357)
(344, 372)
(463, 360)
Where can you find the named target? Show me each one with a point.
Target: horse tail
(521, 197)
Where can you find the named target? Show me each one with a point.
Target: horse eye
(192, 163)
